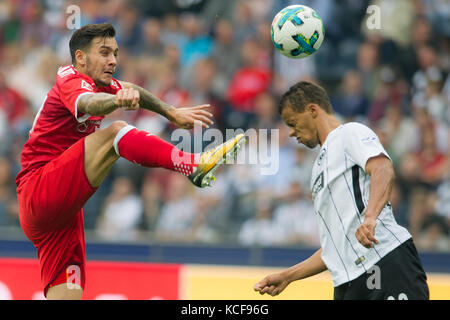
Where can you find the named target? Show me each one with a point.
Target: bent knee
(116, 126)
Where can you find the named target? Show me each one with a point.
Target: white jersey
(340, 190)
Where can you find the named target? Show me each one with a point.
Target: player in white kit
(368, 254)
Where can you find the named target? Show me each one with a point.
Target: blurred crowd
(394, 78)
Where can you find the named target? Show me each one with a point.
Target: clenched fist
(128, 99)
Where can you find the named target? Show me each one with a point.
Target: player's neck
(82, 70)
(326, 124)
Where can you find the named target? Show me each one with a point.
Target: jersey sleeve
(71, 91)
(361, 144)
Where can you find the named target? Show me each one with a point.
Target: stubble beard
(98, 82)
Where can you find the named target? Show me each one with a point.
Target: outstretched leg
(104, 147)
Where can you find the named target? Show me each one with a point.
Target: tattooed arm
(150, 102)
(181, 117)
(97, 104)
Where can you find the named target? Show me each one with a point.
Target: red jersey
(58, 124)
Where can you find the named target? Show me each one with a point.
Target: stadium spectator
(394, 23)
(251, 79)
(390, 91)
(296, 220)
(12, 104)
(437, 12)
(4, 128)
(130, 34)
(427, 60)
(151, 42)
(265, 112)
(260, 230)
(243, 21)
(170, 33)
(436, 103)
(151, 195)
(443, 198)
(434, 230)
(202, 80)
(399, 206)
(248, 81)
(184, 216)
(399, 132)
(198, 45)
(225, 50)
(278, 181)
(201, 230)
(214, 205)
(9, 213)
(433, 163)
(11, 24)
(367, 63)
(167, 87)
(40, 67)
(34, 28)
(177, 213)
(121, 214)
(351, 102)
(91, 12)
(287, 71)
(243, 182)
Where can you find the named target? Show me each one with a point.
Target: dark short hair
(301, 94)
(82, 38)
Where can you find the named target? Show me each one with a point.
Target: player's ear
(80, 58)
(312, 108)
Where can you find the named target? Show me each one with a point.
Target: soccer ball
(297, 31)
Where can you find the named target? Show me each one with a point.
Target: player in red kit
(66, 158)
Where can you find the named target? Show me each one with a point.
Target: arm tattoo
(150, 102)
(97, 104)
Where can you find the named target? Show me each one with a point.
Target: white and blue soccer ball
(297, 31)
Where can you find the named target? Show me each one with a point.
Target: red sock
(151, 151)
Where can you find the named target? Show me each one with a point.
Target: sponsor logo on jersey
(86, 85)
(367, 140)
(360, 260)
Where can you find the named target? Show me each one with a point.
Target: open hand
(186, 117)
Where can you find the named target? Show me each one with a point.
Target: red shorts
(50, 205)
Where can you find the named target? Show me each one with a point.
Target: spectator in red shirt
(11, 103)
(433, 162)
(250, 80)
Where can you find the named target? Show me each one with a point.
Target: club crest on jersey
(83, 126)
(318, 184)
(86, 85)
